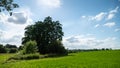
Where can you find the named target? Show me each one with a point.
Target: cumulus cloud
(87, 42)
(110, 24)
(17, 18)
(49, 3)
(12, 27)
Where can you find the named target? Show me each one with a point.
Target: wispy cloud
(118, 29)
(112, 13)
(99, 16)
(97, 25)
(110, 24)
(114, 10)
(102, 15)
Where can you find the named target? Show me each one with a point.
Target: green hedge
(24, 57)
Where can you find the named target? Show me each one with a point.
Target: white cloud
(12, 27)
(16, 39)
(118, 29)
(114, 10)
(110, 24)
(49, 3)
(87, 42)
(102, 15)
(99, 16)
(97, 25)
(110, 16)
(112, 13)
(18, 18)
(83, 16)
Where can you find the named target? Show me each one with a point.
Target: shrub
(57, 48)
(12, 50)
(2, 49)
(31, 56)
(30, 47)
(24, 57)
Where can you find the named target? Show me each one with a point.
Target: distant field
(93, 59)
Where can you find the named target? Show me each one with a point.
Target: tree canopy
(45, 33)
(8, 5)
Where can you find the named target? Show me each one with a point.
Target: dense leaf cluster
(47, 34)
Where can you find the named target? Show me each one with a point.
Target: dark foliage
(10, 46)
(13, 50)
(45, 34)
(20, 48)
(57, 48)
(87, 50)
(24, 57)
(2, 49)
(8, 5)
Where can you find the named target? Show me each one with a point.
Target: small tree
(30, 47)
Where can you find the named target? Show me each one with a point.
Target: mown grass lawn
(93, 59)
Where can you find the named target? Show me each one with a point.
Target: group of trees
(8, 48)
(86, 50)
(48, 36)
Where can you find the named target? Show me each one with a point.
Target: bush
(57, 48)
(24, 57)
(31, 56)
(30, 47)
(13, 50)
(2, 49)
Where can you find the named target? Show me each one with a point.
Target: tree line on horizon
(8, 48)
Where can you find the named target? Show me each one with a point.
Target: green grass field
(93, 59)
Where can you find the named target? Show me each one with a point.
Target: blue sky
(86, 23)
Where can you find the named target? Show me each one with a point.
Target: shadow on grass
(31, 57)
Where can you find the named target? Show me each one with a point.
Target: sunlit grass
(95, 59)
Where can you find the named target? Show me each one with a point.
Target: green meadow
(92, 59)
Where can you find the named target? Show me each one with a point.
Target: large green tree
(8, 5)
(45, 33)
